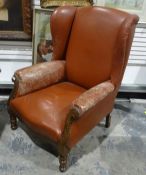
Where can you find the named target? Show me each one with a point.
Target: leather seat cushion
(46, 110)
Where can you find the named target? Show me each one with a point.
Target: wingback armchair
(67, 97)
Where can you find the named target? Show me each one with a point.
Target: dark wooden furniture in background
(19, 24)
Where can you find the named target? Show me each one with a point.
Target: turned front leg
(13, 121)
(108, 121)
(63, 163)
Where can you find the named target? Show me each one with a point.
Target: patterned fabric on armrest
(91, 97)
(39, 76)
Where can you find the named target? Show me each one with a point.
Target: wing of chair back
(64, 99)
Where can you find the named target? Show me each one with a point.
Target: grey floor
(119, 150)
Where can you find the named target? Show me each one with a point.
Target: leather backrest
(98, 43)
(61, 23)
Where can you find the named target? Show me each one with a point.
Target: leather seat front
(46, 110)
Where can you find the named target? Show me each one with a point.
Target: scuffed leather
(125, 38)
(92, 96)
(39, 76)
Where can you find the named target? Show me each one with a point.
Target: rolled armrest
(38, 76)
(90, 98)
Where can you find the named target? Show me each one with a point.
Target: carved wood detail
(27, 16)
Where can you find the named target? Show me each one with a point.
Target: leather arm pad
(38, 76)
(90, 98)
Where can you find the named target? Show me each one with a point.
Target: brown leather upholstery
(65, 99)
(48, 108)
(62, 21)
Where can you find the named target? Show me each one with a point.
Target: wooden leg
(13, 122)
(63, 163)
(108, 121)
